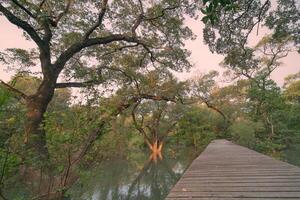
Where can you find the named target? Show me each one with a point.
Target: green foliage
(197, 127)
(244, 132)
(292, 88)
(285, 21)
(231, 30)
(67, 130)
(19, 60)
(5, 97)
(11, 125)
(211, 8)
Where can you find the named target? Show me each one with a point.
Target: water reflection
(134, 178)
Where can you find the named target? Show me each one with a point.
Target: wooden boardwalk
(231, 172)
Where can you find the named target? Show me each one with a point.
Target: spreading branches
(271, 51)
(170, 128)
(97, 132)
(237, 19)
(77, 47)
(259, 18)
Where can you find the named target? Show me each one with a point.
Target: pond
(136, 177)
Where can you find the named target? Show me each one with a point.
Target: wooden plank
(229, 171)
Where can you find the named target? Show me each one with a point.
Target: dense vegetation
(122, 55)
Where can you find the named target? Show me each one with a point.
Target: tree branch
(14, 90)
(24, 9)
(42, 3)
(209, 105)
(157, 97)
(96, 133)
(75, 48)
(99, 20)
(171, 127)
(139, 127)
(78, 84)
(137, 23)
(119, 49)
(92, 137)
(163, 11)
(22, 24)
(60, 15)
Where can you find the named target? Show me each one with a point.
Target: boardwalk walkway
(232, 172)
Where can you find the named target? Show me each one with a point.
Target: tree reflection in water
(125, 180)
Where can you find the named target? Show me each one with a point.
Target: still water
(135, 178)
(139, 178)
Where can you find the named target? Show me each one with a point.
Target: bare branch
(158, 97)
(119, 49)
(99, 20)
(42, 3)
(14, 90)
(137, 23)
(163, 12)
(138, 126)
(244, 13)
(257, 22)
(78, 84)
(23, 8)
(60, 15)
(141, 6)
(211, 106)
(22, 24)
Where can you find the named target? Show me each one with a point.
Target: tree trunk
(35, 137)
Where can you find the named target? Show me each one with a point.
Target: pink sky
(202, 58)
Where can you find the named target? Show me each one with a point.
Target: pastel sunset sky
(202, 58)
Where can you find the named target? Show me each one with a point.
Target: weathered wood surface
(232, 172)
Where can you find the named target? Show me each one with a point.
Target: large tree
(94, 45)
(74, 39)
